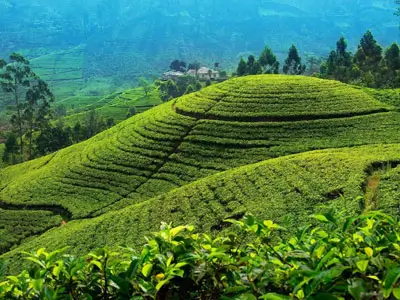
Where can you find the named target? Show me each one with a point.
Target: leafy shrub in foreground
(337, 258)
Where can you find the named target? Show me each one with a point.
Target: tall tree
(268, 61)
(145, 85)
(37, 110)
(11, 148)
(242, 67)
(339, 63)
(253, 66)
(369, 53)
(16, 79)
(392, 57)
(293, 65)
(194, 66)
(391, 69)
(177, 65)
(368, 59)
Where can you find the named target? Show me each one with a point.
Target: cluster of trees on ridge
(369, 66)
(334, 257)
(185, 84)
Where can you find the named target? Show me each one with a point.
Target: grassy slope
(199, 135)
(285, 189)
(114, 106)
(63, 70)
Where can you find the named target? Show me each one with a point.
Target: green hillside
(286, 189)
(115, 106)
(144, 165)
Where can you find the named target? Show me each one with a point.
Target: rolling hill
(226, 150)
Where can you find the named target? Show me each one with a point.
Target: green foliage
(335, 257)
(369, 66)
(279, 98)
(339, 64)
(250, 67)
(268, 61)
(145, 85)
(177, 65)
(293, 64)
(53, 138)
(10, 149)
(170, 89)
(30, 96)
(239, 122)
(242, 68)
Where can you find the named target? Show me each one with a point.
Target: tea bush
(334, 257)
(220, 128)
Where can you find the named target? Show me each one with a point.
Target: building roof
(203, 70)
(173, 73)
(192, 72)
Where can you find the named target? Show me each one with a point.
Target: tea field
(276, 146)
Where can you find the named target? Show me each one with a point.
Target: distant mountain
(124, 38)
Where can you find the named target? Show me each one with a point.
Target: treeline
(34, 128)
(370, 65)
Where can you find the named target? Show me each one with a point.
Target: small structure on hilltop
(192, 72)
(207, 74)
(200, 73)
(174, 75)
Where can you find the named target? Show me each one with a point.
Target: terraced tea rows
(285, 189)
(194, 137)
(279, 99)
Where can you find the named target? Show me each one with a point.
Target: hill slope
(239, 122)
(286, 189)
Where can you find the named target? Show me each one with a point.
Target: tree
(368, 58)
(392, 57)
(110, 122)
(76, 132)
(293, 64)
(369, 53)
(339, 64)
(168, 89)
(190, 89)
(60, 111)
(52, 139)
(178, 66)
(391, 68)
(242, 68)
(313, 64)
(11, 148)
(37, 110)
(268, 61)
(15, 80)
(131, 112)
(194, 66)
(145, 85)
(253, 66)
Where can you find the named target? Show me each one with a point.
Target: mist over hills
(125, 39)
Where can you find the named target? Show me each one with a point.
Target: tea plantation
(230, 149)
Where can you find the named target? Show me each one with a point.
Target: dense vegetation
(369, 66)
(167, 164)
(270, 189)
(44, 129)
(339, 257)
